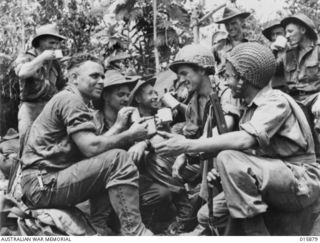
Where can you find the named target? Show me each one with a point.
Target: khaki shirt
(50, 144)
(280, 127)
(44, 83)
(302, 74)
(198, 110)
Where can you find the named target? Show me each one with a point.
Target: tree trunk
(156, 53)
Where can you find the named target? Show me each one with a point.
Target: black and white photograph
(166, 119)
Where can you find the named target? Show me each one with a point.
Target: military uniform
(37, 90)
(226, 46)
(153, 195)
(198, 107)
(301, 71)
(56, 174)
(281, 170)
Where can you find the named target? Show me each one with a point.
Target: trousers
(251, 184)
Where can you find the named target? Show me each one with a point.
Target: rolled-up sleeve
(76, 115)
(22, 59)
(267, 119)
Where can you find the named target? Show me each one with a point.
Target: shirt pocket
(312, 69)
(289, 69)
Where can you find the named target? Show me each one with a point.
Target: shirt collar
(259, 98)
(73, 89)
(228, 46)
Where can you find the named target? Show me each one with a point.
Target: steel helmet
(193, 55)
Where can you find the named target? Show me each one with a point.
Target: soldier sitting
(271, 161)
(159, 168)
(114, 117)
(64, 162)
(300, 66)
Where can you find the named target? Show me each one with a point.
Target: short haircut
(76, 60)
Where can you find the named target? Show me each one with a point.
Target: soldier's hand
(275, 47)
(177, 166)
(139, 131)
(123, 117)
(136, 152)
(47, 55)
(213, 177)
(174, 145)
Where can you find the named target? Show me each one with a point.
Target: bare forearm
(114, 130)
(105, 143)
(239, 140)
(91, 145)
(29, 69)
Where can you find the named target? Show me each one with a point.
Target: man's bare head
(87, 73)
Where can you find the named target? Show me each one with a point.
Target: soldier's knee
(226, 161)
(119, 161)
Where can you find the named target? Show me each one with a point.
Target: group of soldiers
(81, 140)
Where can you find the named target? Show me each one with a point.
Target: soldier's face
(148, 97)
(234, 27)
(295, 34)
(191, 76)
(278, 31)
(89, 78)
(48, 43)
(116, 97)
(234, 82)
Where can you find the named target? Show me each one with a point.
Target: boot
(186, 219)
(180, 226)
(254, 226)
(125, 201)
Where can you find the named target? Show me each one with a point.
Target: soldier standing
(233, 19)
(40, 75)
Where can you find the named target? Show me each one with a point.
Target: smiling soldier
(233, 19)
(270, 161)
(64, 162)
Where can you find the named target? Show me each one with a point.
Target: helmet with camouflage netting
(254, 63)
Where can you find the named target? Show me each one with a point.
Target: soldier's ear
(73, 78)
(303, 30)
